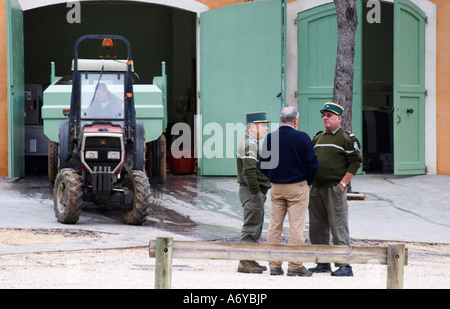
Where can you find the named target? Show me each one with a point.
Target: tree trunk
(343, 76)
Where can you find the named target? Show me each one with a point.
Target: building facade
(226, 58)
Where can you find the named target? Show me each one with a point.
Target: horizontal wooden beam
(276, 252)
(351, 196)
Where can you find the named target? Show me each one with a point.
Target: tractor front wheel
(136, 212)
(68, 196)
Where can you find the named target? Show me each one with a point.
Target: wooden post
(395, 263)
(163, 263)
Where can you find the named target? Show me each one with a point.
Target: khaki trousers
(291, 199)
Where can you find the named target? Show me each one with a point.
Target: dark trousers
(328, 215)
(253, 210)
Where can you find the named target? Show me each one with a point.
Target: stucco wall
(443, 86)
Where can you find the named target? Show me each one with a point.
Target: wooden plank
(276, 252)
(352, 196)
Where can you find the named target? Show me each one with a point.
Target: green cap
(256, 117)
(333, 107)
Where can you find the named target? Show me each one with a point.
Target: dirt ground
(133, 269)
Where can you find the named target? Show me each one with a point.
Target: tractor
(101, 150)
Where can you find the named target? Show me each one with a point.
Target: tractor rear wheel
(136, 212)
(68, 196)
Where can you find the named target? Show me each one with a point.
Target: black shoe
(300, 271)
(343, 271)
(276, 271)
(321, 268)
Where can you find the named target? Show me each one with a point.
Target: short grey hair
(288, 114)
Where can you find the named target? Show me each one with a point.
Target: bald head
(289, 115)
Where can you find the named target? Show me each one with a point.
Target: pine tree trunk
(343, 76)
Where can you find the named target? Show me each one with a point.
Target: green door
(317, 50)
(409, 89)
(16, 135)
(241, 72)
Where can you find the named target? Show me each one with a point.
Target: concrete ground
(403, 208)
(400, 208)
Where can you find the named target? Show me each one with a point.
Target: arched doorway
(14, 129)
(192, 6)
(400, 92)
(157, 33)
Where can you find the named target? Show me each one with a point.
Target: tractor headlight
(90, 154)
(114, 155)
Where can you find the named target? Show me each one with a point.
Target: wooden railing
(164, 249)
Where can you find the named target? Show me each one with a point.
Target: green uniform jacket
(338, 152)
(248, 173)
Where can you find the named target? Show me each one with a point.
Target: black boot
(321, 268)
(343, 271)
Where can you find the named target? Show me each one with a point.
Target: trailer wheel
(52, 160)
(157, 159)
(136, 212)
(68, 196)
(139, 162)
(63, 149)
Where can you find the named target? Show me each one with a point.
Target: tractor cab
(102, 96)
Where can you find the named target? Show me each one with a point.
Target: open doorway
(378, 81)
(157, 33)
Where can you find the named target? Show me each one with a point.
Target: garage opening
(378, 83)
(157, 33)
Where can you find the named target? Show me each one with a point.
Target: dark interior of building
(378, 80)
(156, 33)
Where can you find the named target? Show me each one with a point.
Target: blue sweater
(292, 160)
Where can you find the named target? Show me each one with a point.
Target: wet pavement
(190, 207)
(209, 206)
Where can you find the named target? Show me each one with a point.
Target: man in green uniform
(253, 185)
(338, 152)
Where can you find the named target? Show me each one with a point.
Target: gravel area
(133, 269)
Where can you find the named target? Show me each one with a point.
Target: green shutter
(16, 132)
(409, 88)
(241, 60)
(317, 50)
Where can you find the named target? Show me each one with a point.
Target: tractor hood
(102, 129)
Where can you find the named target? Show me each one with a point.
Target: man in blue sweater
(288, 159)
